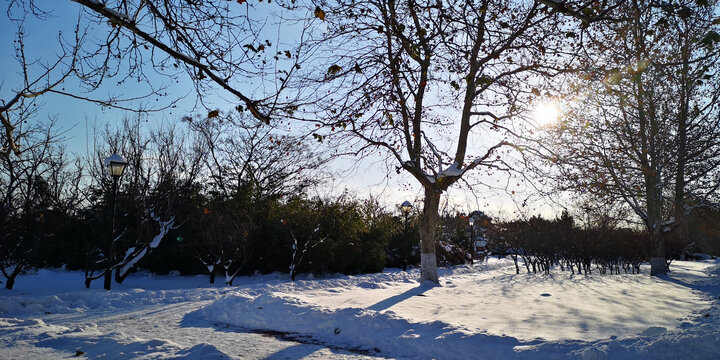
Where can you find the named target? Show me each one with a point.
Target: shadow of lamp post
(406, 206)
(116, 166)
(471, 248)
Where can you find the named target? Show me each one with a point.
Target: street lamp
(406, 206)
(116, 166)
(471, 221)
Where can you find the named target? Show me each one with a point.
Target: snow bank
(55, 342)
(627, 316)
(61, 292)
(387, 334)
(78, 302)
(382, 333)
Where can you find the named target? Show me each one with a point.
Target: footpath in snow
(481, 312)
(50, 315)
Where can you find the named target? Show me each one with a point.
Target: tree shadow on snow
(709, 285)
(301, 345)
(394, 300)
(298, 351)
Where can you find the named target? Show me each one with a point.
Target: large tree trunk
(657, 261)
(654, 223)
(657, 253)
(649, 154)
(428, 221)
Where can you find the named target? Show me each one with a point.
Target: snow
(129, 252)
(481, 242)
(165, 226)
(211, 266)
(131, 264)
(483, 311)
(118, 14)
(479, 304)
(49, 315)
(452, 170)
(114, 158)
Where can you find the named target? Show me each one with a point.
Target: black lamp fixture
(116, 165)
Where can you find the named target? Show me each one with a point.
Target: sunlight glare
(546, 113)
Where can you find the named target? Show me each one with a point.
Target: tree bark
(428, 259)
(649, 160)
(681, 231)
(120, 276)
(11, 279)
(657, 260)
(657, 256)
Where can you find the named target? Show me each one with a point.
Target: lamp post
(116, 166)
(471, 221)
(406, 206)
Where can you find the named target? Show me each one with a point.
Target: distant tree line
(214, 196)
(220, 197)
(541, 245)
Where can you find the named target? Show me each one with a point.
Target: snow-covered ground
(479, 312)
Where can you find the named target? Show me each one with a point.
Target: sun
(546, 113)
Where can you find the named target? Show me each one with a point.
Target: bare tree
(433, 86)
(219, 45)
(225, 238)
(241, 153)
(32, 183)
(161, 171)
(697, 136)
(247, 166)
(644, 113)
(70, 71)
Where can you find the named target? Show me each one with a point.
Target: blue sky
(79, 118)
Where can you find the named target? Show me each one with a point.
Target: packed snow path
(134, 324)
(484, 311)
(155, 332)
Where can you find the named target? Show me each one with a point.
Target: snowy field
(479, 312)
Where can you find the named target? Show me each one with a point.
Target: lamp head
(116, 165)
(406, 206)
